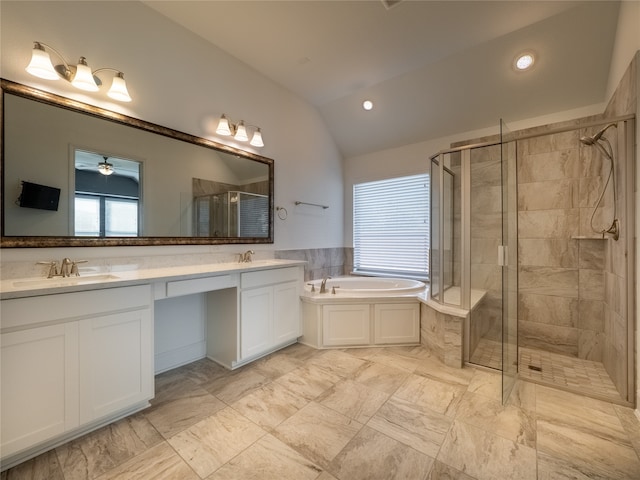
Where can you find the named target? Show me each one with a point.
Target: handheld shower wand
(595, 140)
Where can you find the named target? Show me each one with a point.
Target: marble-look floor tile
(268, 458)
(380, 377)
(395, 360)
(214, 441)
(438, 396)
(326, 476)
(300, 351)
(631, 425)
(370, 455)
(309, 381)
(42, 467)
(317, 432)
(433, 368)
(364, 353)
(203, 371)
(98, 452)
(523, 395)
(276, 365)
(158, 463)
(270, 405)
(337, 362)
(413, 425)
(235, 385)
(585, 451)
(509, 422)
(551, 468)
(486, 383)
(441, 471)
(582, 413)
(353, 400)
(486, 456)
(180, 403)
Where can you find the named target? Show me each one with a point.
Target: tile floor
(349, 415)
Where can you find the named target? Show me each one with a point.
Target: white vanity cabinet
(73, 361)
(266, 317)
(269, 310)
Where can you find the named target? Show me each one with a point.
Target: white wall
(178, 80)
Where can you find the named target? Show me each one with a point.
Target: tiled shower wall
(574, 293)
(617, 275)
(561, 280)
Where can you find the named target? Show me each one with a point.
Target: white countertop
(31, 287)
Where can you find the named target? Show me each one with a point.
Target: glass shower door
(508, 258)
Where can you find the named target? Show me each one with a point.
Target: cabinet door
(256, 310)
(345, 325)
(39, 385)
(396, 323)
(116, 363)
(286, 312)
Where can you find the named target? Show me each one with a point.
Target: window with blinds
(391, 227)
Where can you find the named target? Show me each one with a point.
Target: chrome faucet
(245, 257)
(65, 267)
(323, 285)
(68, 268)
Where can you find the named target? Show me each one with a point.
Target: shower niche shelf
(585, 237)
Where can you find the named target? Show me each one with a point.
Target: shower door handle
(502, 255)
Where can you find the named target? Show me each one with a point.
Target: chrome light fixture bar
(239, 131)
(80, 76)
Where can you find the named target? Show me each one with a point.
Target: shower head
(594, 138)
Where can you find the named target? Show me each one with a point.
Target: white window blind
(391, 227)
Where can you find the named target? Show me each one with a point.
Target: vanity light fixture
(80, 76)
(105, 168)
(239, 131)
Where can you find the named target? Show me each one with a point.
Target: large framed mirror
(78, 175)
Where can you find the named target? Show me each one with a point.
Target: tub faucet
(323, 285)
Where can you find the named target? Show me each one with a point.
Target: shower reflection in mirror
(107, 200)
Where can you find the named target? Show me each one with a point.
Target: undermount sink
(59, 281)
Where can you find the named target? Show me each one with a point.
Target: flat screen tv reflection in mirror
(39, 196)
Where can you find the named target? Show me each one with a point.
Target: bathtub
(358, 286)
(364, 312)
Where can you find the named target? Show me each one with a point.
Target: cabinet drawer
(268, 277)
(23, 312)
(198, 285)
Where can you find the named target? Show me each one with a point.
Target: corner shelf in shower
(584, 237)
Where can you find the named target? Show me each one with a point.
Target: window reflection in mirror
(107, 200)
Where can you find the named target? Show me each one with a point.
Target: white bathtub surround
(362, 312)
(367, 286)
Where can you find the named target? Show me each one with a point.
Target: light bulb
(83, 79)
(40, 65)
(256, 140)
(118, 90)
(241, 132)
(223, 126)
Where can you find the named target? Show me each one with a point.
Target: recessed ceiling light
(524, 61)
(367, 104)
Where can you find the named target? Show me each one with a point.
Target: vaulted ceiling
(431, 68)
